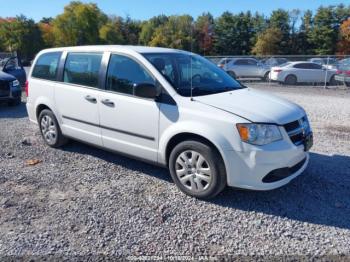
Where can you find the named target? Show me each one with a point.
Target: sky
(145, 9)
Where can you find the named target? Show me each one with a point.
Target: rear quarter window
(46, 66)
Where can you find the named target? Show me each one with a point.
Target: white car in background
(292, 73)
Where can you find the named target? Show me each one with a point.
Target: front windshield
(187, 72)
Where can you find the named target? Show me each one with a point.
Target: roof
(102, 48)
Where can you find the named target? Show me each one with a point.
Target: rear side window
(82, 69)
(46, 66)
(124, 73)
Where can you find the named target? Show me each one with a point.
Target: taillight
(221, 66)
(347, 72)
(278, 70)
(339, 72)
(26, 88)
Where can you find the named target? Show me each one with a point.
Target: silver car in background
(245, 68)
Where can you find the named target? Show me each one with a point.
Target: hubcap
(193, 171)
(48, 129)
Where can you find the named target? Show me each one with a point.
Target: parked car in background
(292, 73)
(10, 89)
(13, 66)
(329, 63)
(343, 74)
(246, 68)
(274, 61)
(149, 103)
(224, 61)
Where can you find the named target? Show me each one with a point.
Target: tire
(291, 80)
(266, 77)
(347, 84)
(203, 184)
(332, 81)
(15, 102)
(232, 74)
(50, 129)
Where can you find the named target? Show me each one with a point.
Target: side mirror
(146, 90)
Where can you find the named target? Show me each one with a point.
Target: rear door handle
(107, 102)
(91, 99)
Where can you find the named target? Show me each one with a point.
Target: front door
(129, 124)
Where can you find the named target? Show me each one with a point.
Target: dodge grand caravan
(172, 108)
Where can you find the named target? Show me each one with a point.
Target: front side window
(192, 74)
(46, 66)
(82, 69)
(124, 74)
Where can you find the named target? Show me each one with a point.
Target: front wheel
(266, 77)
(232, 74)
(332, 81)
(50, 130)
(197, 169)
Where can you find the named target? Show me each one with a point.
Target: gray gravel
(84, 201)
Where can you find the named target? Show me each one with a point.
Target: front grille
(297, 130)
(4, 89)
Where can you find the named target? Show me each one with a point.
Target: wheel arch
(290, 74)
(180, 137)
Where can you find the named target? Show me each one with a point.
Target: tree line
(325, 32)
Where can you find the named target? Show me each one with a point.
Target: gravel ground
(79, 200)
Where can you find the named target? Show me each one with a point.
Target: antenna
(191, 39)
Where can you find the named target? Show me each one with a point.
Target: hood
(6, 77)
(254, 105)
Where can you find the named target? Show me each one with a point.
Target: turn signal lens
(243, 132)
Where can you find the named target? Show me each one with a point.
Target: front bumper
(251, 168)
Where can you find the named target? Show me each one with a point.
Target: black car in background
(12, 79)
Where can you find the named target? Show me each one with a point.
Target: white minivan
(172, 108)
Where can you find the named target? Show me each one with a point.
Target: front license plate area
(308, 142)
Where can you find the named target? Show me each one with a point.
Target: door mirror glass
(146, 90)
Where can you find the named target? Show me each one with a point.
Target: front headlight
(15, 83)
(259, 134)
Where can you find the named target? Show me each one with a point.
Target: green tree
(177, 32)
(268, 42)
(281, 19)
(112, 32)
(131, 31)
(22, 35)
(149, 27)
(324, 34)
(79, 24)
(235, 34)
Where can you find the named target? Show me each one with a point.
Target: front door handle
(107, 102)
(91, 99)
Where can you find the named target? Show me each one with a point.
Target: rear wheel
(50, 130)
(197, 169)
(291, 80)
(347, 84)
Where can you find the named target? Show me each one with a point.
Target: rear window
(82, 69)
(46, 66)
